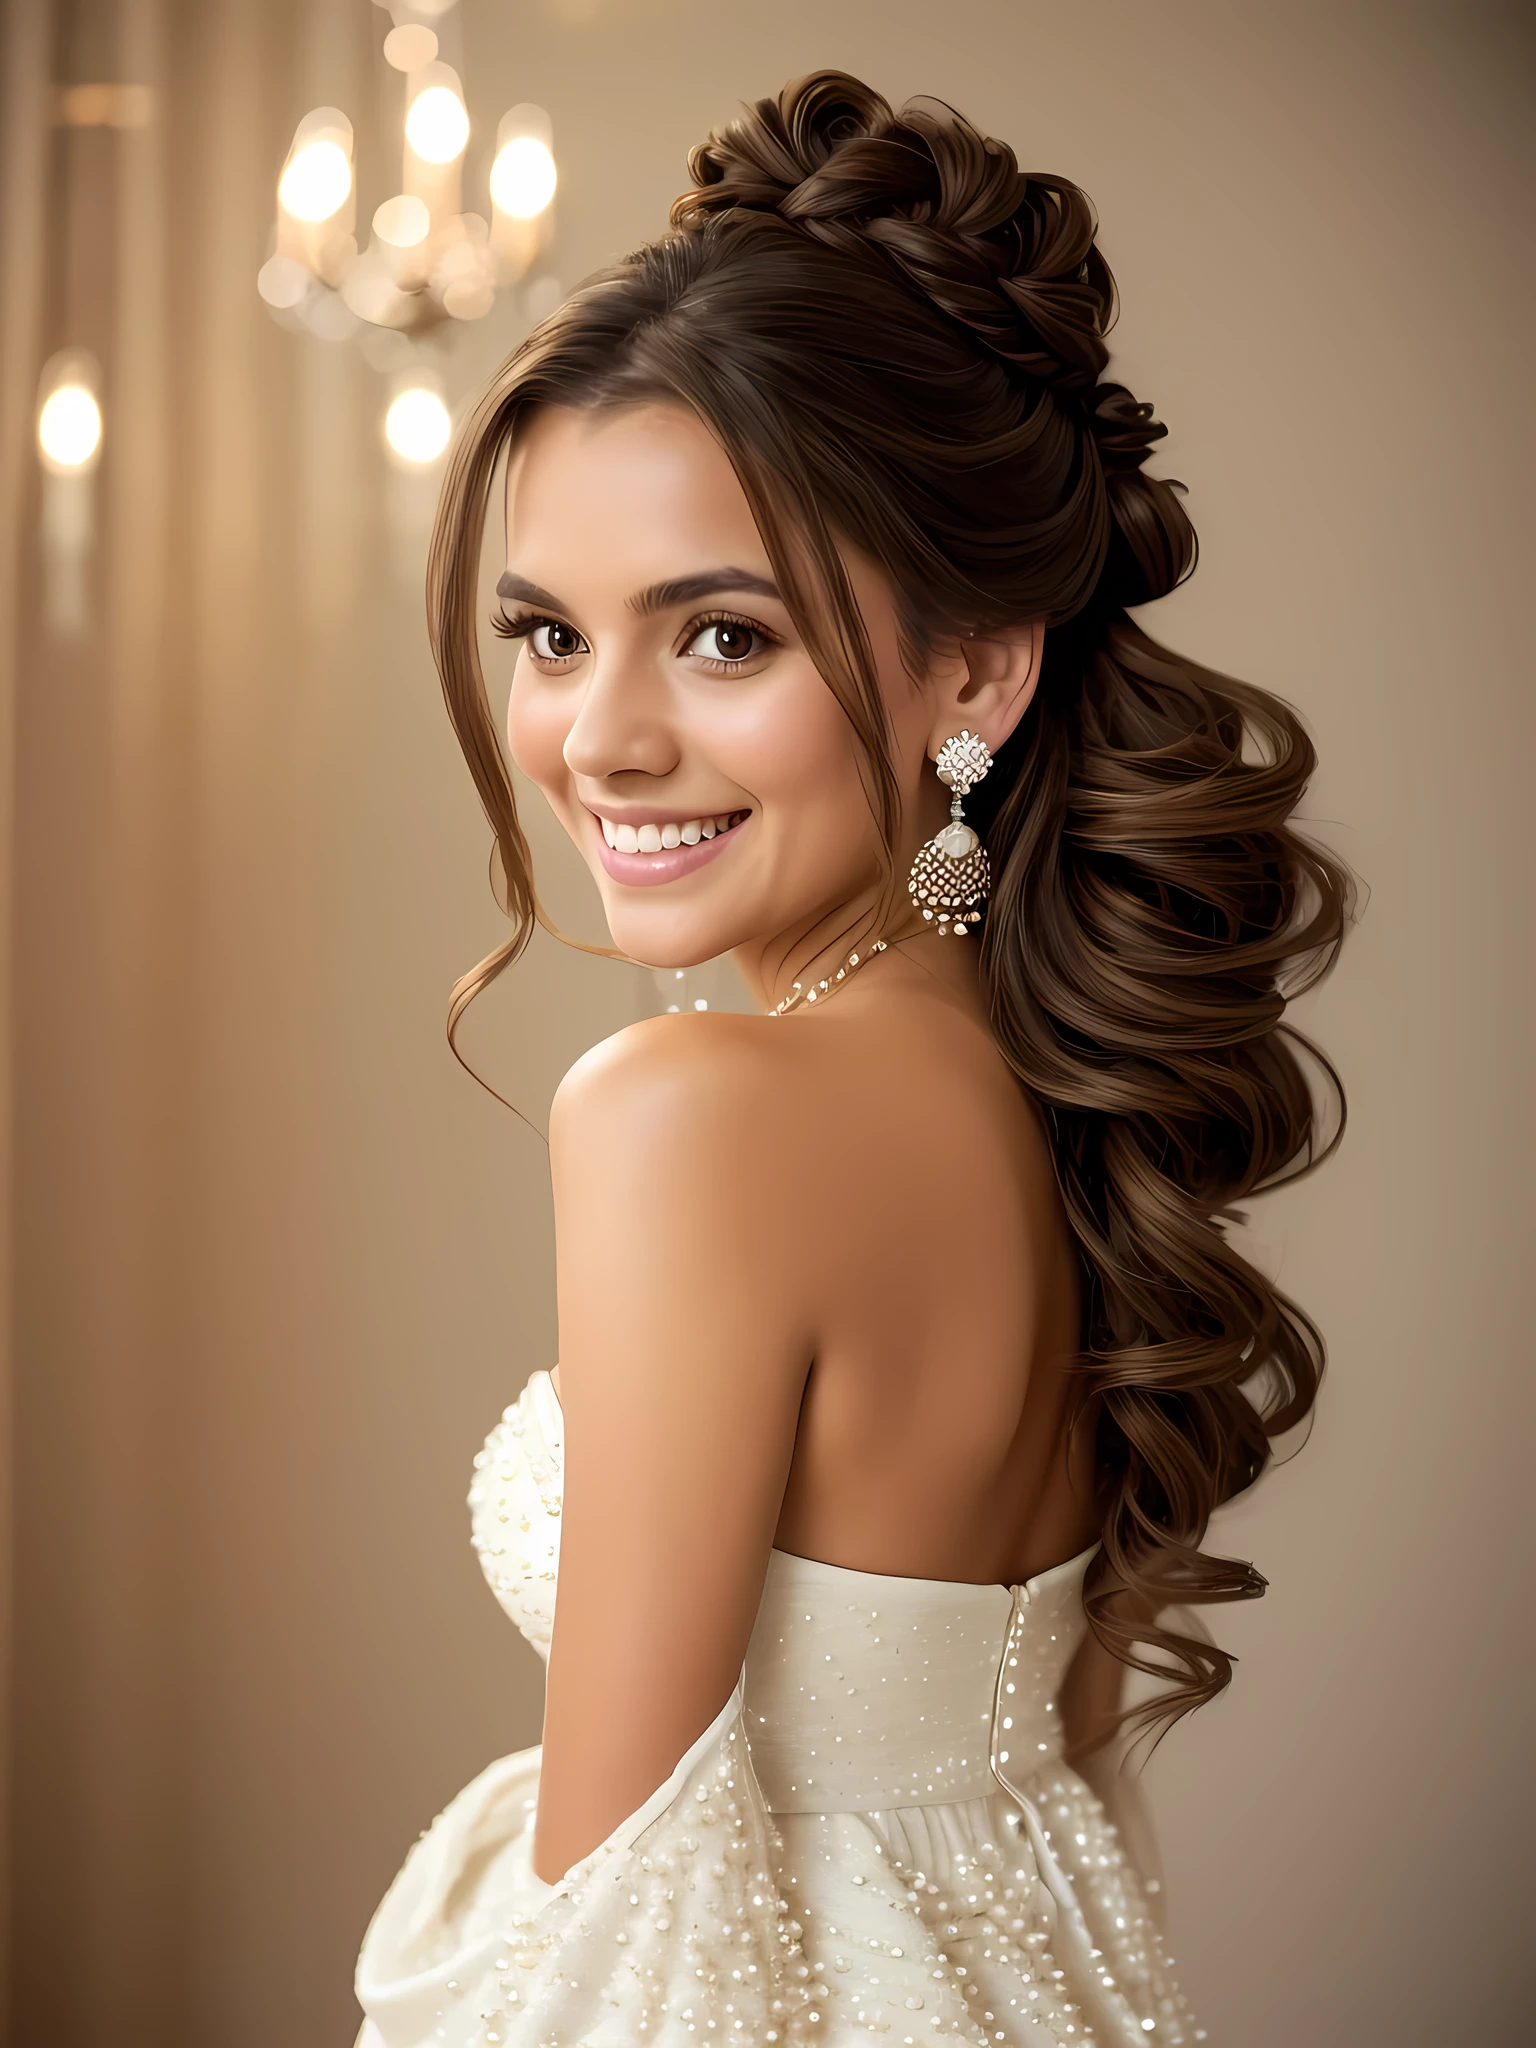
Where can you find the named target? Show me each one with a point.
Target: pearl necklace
(801, 994)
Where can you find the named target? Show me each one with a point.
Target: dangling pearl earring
(951, 876)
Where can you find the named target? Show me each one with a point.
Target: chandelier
(429, 260)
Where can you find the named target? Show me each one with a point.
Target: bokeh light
(316, 182)
(410, 46)
(417, 425)
(523, 177)
(437, 126)
(284, 283)
(403, 221)
(69, 428)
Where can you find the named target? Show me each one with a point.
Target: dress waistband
(863, 1691)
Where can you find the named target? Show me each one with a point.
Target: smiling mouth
(644, 856)
(660, 838)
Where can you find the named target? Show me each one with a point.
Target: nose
(621, 724)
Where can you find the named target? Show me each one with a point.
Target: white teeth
(656, 838)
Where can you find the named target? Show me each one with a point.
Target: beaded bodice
(861, 1690)
(877, 1835)
(514, 1508)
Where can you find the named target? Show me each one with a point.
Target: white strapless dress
(875, 1837)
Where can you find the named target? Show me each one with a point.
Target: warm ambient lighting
(437, 126)
(429, 260)
(409, 47)
(404, 222)
(69, 428)
(316, 182)
(417, 425)
(523, 177)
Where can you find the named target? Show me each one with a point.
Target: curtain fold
(166, 930)
(269, 1231)
(25, 37)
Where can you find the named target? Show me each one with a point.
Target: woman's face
(666, 706)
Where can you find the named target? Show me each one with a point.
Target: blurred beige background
(279, 1264)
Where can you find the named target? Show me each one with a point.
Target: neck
(813, 950)
(772, 969)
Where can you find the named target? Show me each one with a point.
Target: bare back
(934, 1437)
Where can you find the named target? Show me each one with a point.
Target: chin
(668, 941)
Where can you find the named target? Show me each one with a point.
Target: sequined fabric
(876, 1838)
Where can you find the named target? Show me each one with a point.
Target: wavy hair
(898, 338)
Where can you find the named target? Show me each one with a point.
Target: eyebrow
(656, 597)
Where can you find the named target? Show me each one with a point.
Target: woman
(902, 1354)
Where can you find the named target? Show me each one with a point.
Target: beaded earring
(951, 876)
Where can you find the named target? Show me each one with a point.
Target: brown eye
(726, 640)
(553, 640)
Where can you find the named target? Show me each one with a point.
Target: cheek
(790, 741)
(797, 756)
(538, 725)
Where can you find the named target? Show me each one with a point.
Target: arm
(684, 1348)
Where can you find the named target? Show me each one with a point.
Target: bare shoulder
(675, 1150)
(684, 1089)
(747, 1104)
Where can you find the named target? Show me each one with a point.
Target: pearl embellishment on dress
(875, 1840)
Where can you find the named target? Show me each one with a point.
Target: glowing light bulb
(437, 126)
(69, 428)
(523, 177)
(316, 182)
(417, 425)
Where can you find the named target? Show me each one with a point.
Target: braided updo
(898, 338)
(1012, 257)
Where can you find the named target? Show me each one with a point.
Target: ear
(988, 685)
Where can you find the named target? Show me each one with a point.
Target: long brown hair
(898, 338)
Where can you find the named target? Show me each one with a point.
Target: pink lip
(647, 870)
